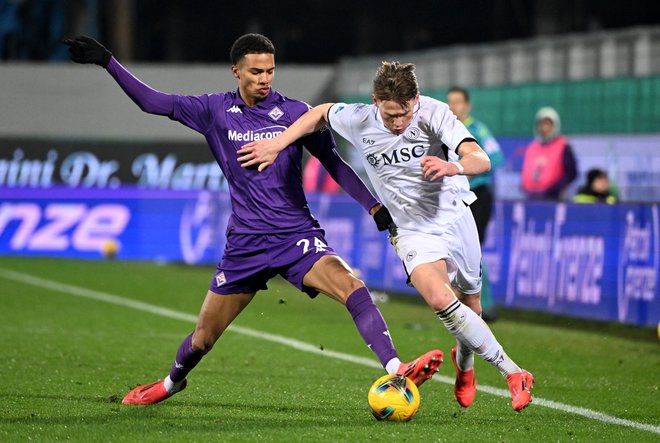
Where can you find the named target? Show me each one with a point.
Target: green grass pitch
(66, 362)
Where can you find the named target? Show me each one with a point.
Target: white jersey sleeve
(448, 128)
(342, 118)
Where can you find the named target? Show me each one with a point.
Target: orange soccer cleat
(422, 368)
(150, 393)
(465, 387)
(520, 385)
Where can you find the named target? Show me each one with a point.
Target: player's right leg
(217, 313)
(432, 282)
(462, 355)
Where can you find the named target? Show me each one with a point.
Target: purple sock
(186, 360)
(371, 325)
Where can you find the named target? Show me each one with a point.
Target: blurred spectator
(317, 179)
(482, 185)
(549, 165)
(596, 190)
(458, 100)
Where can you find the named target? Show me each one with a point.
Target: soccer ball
(110, 248)
(394, 397)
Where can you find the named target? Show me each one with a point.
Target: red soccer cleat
(150, 393)
(520, 385)
(465, 387)
(422, 368)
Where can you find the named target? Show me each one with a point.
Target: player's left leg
(330, 275)
(467, 283)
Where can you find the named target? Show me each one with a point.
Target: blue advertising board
(592, 261)
(183, 226)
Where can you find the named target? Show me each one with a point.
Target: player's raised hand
(435, 168)
(84, 49)
(260, 152)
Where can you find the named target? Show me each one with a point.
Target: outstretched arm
(87, 50)
(263, 152)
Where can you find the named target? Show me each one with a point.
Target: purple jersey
(262, 202)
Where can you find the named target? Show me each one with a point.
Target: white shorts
(458, 246)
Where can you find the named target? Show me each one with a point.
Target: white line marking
(296, 344)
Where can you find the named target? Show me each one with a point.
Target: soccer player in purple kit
(271, 230)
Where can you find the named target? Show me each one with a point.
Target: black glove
(83, 49)
(383, 219)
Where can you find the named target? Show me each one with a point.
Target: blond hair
(396, 82)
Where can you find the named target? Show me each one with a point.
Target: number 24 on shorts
(318, 244)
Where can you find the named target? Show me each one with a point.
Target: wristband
(460, 167)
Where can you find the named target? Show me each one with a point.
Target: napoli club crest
(412, 133)
(276, 113)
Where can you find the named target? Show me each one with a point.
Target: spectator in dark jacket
(596, 189)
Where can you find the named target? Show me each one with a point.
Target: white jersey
(393, 162)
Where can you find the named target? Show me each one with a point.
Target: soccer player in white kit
(417, 153)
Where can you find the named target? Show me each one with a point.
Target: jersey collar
(271, 100)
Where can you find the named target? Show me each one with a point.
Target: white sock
(170, 386)
(393, 365)
(469, 329)
(464, 356)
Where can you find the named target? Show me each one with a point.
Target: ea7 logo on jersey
(396, 156)
(235, 109)
(276, 113)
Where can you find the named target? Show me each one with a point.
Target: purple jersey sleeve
(322, 145)
(148, 99)
(194, 111)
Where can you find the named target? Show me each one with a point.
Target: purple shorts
(250, 260)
